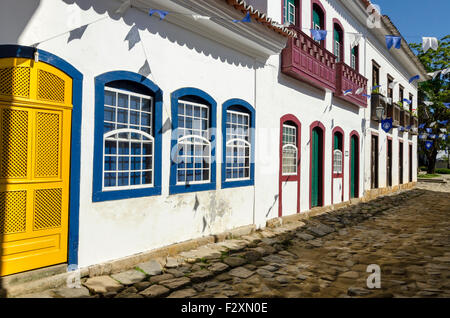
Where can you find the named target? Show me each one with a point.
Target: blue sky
(417, 18)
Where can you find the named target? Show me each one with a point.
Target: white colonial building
(123, 132)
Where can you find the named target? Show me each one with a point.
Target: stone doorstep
(51, 277)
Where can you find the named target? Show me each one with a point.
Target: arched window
(291, 12)
(193, 138)
(355, 58)
(337, 153)
(289, 149)
(338, 42)
(238, 123)
(318, 18)
(127, 155)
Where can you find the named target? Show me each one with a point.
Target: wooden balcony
(304, 59)
(405, 120)
(393, 111)
(348, 78)
(376, 101)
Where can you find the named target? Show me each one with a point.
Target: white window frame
(337, 50)
(289, 145)
(203, 136)
(337, 161)
(116, 132)
(289, 11)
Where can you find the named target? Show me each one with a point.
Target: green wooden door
(315, 169)
(353, 168)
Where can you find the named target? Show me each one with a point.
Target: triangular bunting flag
(393, 40)
(414, 78)
(429, 43)
(318, 35)
(428, 144)
(162, 13)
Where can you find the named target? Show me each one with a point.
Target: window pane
(134, 118)
(135, 178)
(124, 148)
(147, 177)
(146, 106)
(123, 100)
(123, 163)
(110, 179)
(109, 114)
(123, 179)
(110, 98)
(110, 147)
(135, 102)
(122, 116)
(110, 163)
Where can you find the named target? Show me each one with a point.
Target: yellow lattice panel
(13, 212)
(47, 144)
(14, 143)
(50, 87)
(47, 208)
(15, 81)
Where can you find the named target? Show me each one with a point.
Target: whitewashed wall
(179, 58)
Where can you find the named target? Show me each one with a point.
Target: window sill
(183, 188)
(125, 194)
(235, 184)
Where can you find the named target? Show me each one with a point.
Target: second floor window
(289, 12)
(354, 58)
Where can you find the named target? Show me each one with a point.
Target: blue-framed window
(193, 164)
(238, 133)
(127, 146)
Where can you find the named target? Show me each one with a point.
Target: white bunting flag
(429, 43)
(432, 124)
(354, 39)
(428, 103)
(434, 74)
(443, 130)
(392, 85)
(359, 91)
(444, 72)
(200, 17)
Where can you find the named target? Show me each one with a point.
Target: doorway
(374, 161)
(317, 165)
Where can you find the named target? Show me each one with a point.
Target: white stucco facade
(220, 59)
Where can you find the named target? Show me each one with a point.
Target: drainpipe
(365, 121)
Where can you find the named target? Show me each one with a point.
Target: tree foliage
(438, 92)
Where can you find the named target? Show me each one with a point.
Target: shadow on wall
(15, 16)
(165, 30)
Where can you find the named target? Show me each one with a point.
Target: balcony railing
(405, 120)
(305, 60)
(377, 100)
(393, 111)
(348, 78)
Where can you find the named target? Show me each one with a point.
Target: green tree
(436, 91)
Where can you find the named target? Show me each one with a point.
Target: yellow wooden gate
(35, 127)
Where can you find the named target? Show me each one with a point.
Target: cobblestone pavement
(407, 235)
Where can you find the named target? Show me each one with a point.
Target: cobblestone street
(406, 234)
